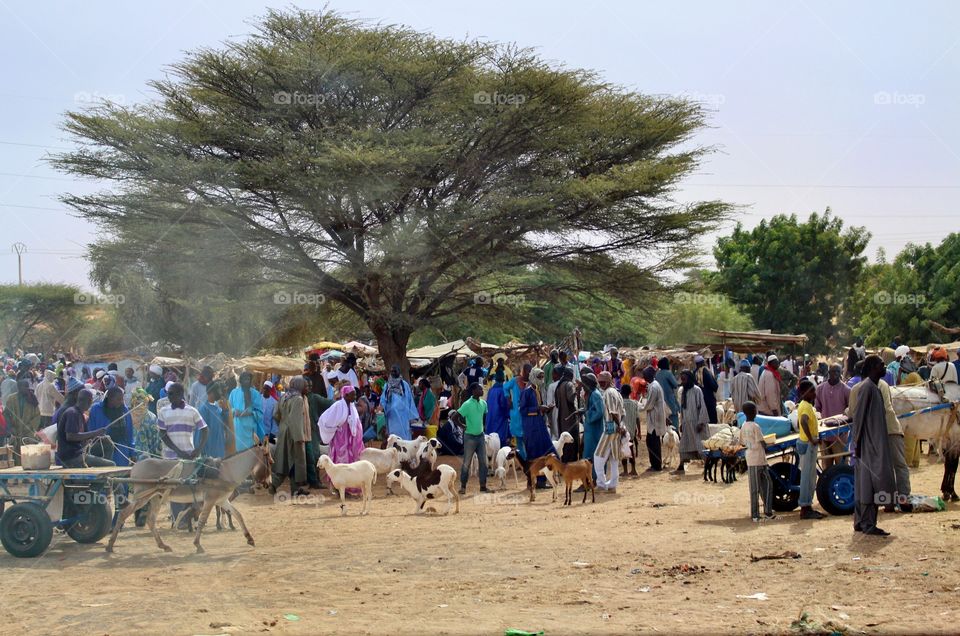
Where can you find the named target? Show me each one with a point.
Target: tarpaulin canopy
(324, 344)
(950, 346)
(168, 362)
(281, 365)
(359, 347)
(458, 347)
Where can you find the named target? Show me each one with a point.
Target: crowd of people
(604, 404)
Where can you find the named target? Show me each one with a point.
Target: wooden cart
(81, 501)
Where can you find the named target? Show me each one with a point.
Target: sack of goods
(35, 456)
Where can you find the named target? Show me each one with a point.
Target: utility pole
(19, 249)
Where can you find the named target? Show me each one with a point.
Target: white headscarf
(336, 416)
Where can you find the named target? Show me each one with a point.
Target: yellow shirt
(805, 408)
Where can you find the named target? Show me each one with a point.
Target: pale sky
(850, 105)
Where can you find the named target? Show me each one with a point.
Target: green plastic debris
(520, 632)
(291, 617)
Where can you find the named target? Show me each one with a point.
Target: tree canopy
(792, 276)
(900, 298)
(396, 174)
(41, 317)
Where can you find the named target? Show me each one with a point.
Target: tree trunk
(392, 344)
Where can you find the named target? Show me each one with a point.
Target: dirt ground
(665, 554)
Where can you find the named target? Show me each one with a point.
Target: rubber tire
(787, 472)
(96, 523)
(835, 490)
(26, 518)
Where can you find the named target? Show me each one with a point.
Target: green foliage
(395, 173)
(900, 298)
(792, 276)
(40, 317)
(684, 320)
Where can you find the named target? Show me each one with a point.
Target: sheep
(492, 445)
(408, 448)
(384, 460)
(669, 447)
(581, 471)
(360, 474)
(423, 483)
(505, 455)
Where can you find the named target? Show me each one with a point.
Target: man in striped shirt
(177, 423)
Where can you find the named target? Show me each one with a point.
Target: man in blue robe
(398, 405)
(498, 409)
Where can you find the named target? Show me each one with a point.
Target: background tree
(41, 317)
(791, 276)
(902, 297)
(396, 173)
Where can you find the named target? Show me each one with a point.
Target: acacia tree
(396, 173)
(44, 315)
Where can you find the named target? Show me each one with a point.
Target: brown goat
(532, 470)
(581, 471)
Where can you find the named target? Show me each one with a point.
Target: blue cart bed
(81, 501)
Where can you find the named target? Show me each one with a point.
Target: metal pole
(19, 249)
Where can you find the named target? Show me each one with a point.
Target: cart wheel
(786, 486)
(835, 490)
(25, 530)
(93, 524)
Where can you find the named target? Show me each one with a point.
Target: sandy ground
(665, 554)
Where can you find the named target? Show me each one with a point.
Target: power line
(20, 143)
(33, 176)
(35, 207)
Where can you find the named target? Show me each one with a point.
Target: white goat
(384, 460)
(559, 443)
(408, 449)
(360, 474)
(429, 485)
(428, 453)
(492, 444)
(669, 447)
(505, 458)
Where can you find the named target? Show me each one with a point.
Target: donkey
(948, 439)
(151, 480)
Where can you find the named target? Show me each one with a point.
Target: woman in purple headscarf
(340, 427)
